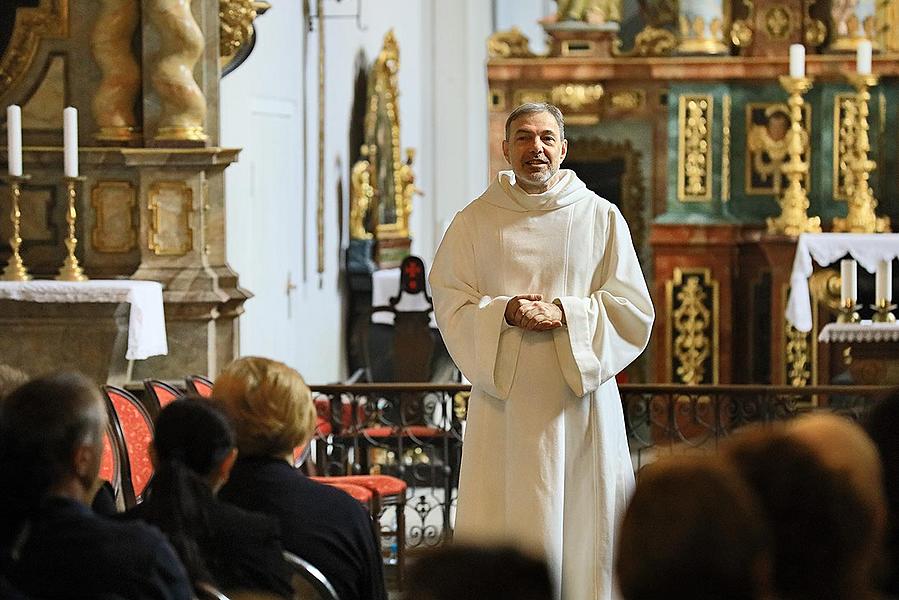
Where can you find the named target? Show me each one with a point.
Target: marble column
(113, 102)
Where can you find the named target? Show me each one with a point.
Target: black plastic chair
(310, 578)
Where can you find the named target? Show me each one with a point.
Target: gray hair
(529, 108)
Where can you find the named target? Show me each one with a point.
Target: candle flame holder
(70, 269)
(883, 311)
(15, 269)
(849, 312)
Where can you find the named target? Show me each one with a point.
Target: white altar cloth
(867, 249)
(385, 284)
(146, 324)
(866, 331)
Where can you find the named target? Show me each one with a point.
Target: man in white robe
(541, 302)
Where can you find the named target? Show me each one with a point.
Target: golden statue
(361, 194)
(406, 180)
(769, 143)
(594, 12)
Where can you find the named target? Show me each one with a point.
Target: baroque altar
(685, 122)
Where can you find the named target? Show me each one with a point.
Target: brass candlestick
(15, 269)
(793, 218)
(70, 269)
(860, 216)
(883, 311)
(849, 312)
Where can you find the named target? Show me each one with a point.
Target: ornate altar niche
(699, 81)
(150, 203)
(382, 187)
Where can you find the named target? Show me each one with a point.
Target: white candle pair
(863, 59)
(14, 140)
(849, 282)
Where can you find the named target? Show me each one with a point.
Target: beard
(537, 178)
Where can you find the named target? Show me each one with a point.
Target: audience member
(220, 544)
(460, 572)
(53, 545)
(272, 411)
(825, 528)
(693, 529)
(882, 424)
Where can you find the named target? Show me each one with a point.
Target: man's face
(535, 151)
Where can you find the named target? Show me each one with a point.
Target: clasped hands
(530, 312)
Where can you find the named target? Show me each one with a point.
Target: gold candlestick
(793, 218)
(860, 215)
(15, 269)
(70, 269)
(883, 311)
(849, 312)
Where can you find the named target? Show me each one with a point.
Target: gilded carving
(50, 19)
(594, 12)
(845, 127)
(797, 356)
(524, 96)
(699, 35)
(113, 103)
(768, 138)
(361, 195)
(236, 19)
(627, 99)
(779, 23)
(694, 159)
(509, 44)
(114, 228)
(654, 41)
(181, 45)
(815, 30)
(725, 148)
(170, 204)
(579, 102)
(692, 299)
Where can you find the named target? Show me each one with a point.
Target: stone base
(578, 39)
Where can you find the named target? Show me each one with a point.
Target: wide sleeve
(473, 325)
(607, 330)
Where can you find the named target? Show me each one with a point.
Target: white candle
(70, 140)
(863, 57)
(14, 139)
(848, 283)
(884, 281)
(797, 60)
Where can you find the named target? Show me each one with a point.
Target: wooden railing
(415, 431)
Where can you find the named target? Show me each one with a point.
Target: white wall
(270, 111)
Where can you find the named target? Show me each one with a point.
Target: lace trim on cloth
(824, 249)
(146, 321)
(866, 331)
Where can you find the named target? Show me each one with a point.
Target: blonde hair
(269, 404)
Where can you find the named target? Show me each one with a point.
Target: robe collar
(504, 193)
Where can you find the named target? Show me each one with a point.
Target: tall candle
(797, 60)
(863, 57)
(14, 139)
(848, 283)
(884, 281)
(70, 140)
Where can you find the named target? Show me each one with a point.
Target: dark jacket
(72, 552)
(243, 550)
(319, 523)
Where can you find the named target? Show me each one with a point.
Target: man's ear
(506, 151)
(564, 152)
(84, 460)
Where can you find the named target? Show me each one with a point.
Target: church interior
(191, 182)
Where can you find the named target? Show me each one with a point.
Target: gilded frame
(50, 19)
(156, 226)
(773, 189)
(128, 190)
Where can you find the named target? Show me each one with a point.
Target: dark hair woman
(233, 549)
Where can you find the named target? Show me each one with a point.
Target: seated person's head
(51, 441)
(193, 432)
(882, 424)
(824, 528)
(460, 572)
(269, 404)
(693, 525)
(10, 379)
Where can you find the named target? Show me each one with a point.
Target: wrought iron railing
(414, 431)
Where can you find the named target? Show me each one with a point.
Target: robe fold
(545, 463)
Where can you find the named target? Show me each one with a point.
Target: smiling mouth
(536, 163)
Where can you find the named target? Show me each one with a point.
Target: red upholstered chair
(364, 495)
(198, 384)
(161, 394)
(111, 460)
(134, 434)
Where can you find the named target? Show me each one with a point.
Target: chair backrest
(111, 459)
(308, 578)
(199, 384)
(206, 591)
(135, 432)
(161, 394)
